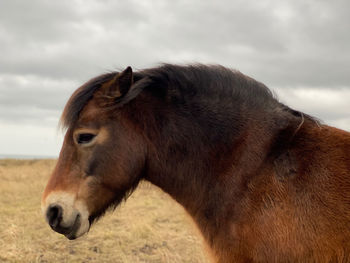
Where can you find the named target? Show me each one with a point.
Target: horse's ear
(125, 80)
(119, 85)
(121, 89)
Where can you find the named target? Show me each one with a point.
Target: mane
(214, 81)
(181, 84)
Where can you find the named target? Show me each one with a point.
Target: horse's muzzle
(54, 215)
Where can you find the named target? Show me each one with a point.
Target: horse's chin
(80, 227)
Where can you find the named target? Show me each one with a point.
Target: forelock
(80, 98)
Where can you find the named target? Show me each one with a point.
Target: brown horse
(263, 182)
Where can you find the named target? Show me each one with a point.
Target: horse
(263, 182)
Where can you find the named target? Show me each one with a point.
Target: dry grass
(149, 227)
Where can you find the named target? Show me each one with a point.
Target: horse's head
(101, 159)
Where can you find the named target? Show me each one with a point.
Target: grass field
(149, 227)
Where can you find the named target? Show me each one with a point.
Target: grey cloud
(32, 99)
(33, 91)
(69, 39)
(30, 115)
(277, 42)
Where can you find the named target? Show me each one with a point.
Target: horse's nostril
(54, 215)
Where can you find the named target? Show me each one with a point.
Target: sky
(299, 49)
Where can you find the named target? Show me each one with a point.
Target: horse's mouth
(69, 232)
(74, 229)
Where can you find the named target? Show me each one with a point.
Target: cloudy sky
(300, 49)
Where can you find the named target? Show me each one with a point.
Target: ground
(149, 227)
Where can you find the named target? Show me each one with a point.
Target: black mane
(80, 98)
(214, 82)
(181, 85)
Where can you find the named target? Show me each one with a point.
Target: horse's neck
(207, 180)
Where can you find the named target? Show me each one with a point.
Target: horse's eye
(84, 138)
